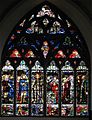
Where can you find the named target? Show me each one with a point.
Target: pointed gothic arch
(58, 61)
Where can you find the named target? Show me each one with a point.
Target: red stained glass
(74, 54)
(60, 54)
(15, 53)
(29, 54)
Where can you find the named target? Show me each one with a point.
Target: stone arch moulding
(57, 28)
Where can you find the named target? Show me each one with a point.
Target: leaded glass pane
(37, 90)
(82, 88)
(67, 90)
(74, 54)
(22, 89)
(7, 94)
(52, 90)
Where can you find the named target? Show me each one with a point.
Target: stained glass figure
(22, 89)
(45, 48)
(37, 110)
(74, 54)
(52, 90)
(82, 89)
(22, 109)
(7, 110)
(56, 28)
(15, 53)
(60, 54)
(81, 110)
(37, 89)
(67, 110)
(7, 97)
(67, 90)
(52, 109)
(34, 26)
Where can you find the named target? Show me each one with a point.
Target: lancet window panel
(37, 90)
(22, 90)
(82, 89)
(7, 90)
(52, 90)
(67, 90)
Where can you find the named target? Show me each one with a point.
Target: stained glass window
(45, 66)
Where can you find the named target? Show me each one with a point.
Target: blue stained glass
(37, 110)
(37, 42)
(61, 31)
(52, 42)
(9, 42)
(57, 46)
(34, 46)
(11, 47)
